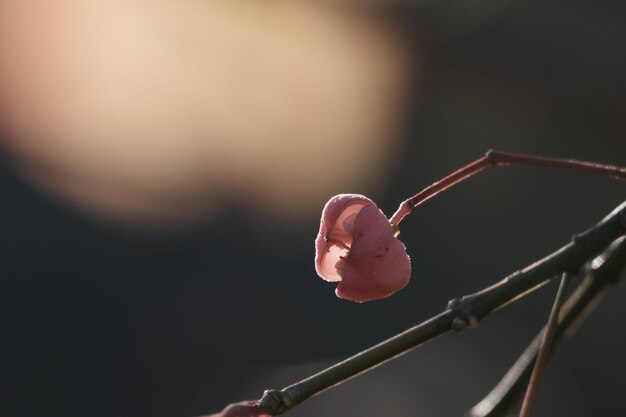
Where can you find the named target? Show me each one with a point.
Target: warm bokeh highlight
(165, 110)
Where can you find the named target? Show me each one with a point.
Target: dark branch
(549, 335)
(605, 270)
(461, 313)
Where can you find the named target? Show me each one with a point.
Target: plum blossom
(356, 247)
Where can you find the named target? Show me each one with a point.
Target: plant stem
(498, 158)
(544, 349)
(460, 314)
(603, 271)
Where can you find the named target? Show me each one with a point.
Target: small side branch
(547, 341)
(497, 158)
(464, 312)
(603, 271)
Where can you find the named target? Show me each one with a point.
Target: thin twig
(545, 347)
(497, 158)
(603, 271)
(461, 313)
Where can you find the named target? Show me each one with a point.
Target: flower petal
(327, 267)
(336, 227)
(356, 246)
(377, 265)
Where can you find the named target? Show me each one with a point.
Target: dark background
(99, 321)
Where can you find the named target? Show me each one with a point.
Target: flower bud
(356, 247)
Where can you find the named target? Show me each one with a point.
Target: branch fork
(462, 313)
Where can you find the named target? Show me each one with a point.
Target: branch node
(454, 303)
(275, 402)
(464, 322)
(465, 317)
(461, 313)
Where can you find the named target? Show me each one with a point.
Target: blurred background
(164, 164)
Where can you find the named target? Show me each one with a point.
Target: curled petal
(356, 246)
(327, 266)
(335, 236)
(378, 264)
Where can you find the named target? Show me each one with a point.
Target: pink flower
(356, 247)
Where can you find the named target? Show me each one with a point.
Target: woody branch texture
(461, 313)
